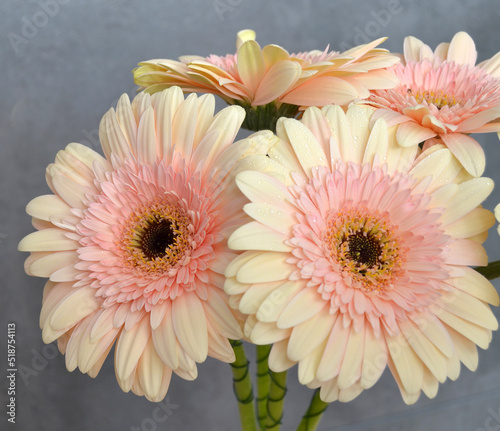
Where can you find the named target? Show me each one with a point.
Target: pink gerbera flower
(443, 94)
(134, 243)
(358, 257)
(255, 77)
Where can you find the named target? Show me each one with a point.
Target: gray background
(62, 69)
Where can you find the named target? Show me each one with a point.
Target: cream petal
(277, 80)
(426, 351)
(307, 149)
(468, 151)
(256, 236)
(112, 139)
(473, 332)
(75, 343)
(127, 121)
(430, 385)
(151, 372)
(468, 196)
(411, 48)
(476, 285)
(309, 334)
(408, 365)
(273, 54)
(165, 342)
(309, 364)
(466, 252)
(411, 133)
(251, 67)
(266, 333)
(90, 352)
(462, 49)
(272, 216)
(302, 307)
(278, 358)
(147, 142)
(227, 122)
(103, 323)
(377, 143)
(235, 265)
(469, 308)
(219, 346)
(66, 273)
(166, 104)
(52, 239)
(374, 358)
(465, 349)
(329, 391)
(45, 206)
(262, 188)
(265, 267)
(78, 304)
(492, 65)
(50, 263)
(333, 354)
(321, 91)
(220, 315)
(273, 305)
(435, 331)
(129, 348)
(358, 118)
(253, 297)
(190, 325)
(351, 368)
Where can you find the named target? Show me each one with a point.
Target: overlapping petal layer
(256, 76)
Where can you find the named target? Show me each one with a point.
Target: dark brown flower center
(364, 249)
(156, 239)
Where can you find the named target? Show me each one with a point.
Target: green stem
(263, 384)
(275, 400)
(264, 117)
(242, 385)
(491, 271)
(313, 414)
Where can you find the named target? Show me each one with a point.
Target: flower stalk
(313, 415)
(263, 384)
(242, 386)
(275, 401)
(491, 271)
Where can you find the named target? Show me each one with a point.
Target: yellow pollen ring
(133, 241)
(366, 246)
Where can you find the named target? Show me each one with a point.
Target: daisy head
(271, 83)
(443, 94)
(358, 255)
(134, 243)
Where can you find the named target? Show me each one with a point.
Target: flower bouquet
(344, 235)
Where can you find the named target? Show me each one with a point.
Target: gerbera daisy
(443, 94)
(358, 257)
(135, 243)
(270, 82)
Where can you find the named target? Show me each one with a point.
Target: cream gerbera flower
(255, 77)
(358, 257)
(444, 94)
(134, 243)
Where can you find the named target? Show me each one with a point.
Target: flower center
(367, 247)
(364, 249)
(156, 237)
(437, 98)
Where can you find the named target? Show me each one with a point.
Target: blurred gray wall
(63, 64)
